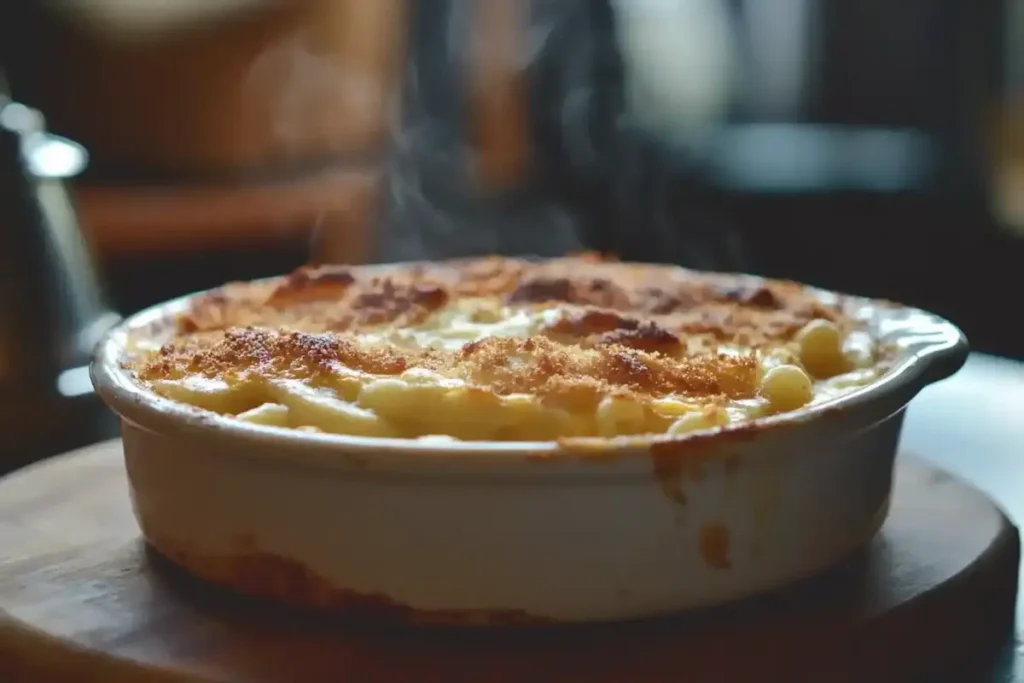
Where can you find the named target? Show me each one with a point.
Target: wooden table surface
(973, 426)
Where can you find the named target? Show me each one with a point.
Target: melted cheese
(419, 363)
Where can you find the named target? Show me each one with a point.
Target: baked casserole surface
(503, 349)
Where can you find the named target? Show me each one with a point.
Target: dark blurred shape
(52, 309)
(595, 179)
(495, 83)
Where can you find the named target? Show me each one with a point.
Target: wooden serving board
(81, 599)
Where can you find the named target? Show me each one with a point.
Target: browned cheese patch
(630, 330)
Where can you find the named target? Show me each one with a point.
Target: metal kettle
(52, 308)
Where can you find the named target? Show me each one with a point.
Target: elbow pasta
(787, 387)
(420, 403)
(820, 344)
(497, 369)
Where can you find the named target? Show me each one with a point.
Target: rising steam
(675, 75)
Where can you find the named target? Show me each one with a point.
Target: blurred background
(874, 147)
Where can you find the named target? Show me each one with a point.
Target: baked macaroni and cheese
(504, 349)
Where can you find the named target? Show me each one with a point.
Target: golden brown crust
(336, 298)
(501, 365)
(316, 300)
(623, 328)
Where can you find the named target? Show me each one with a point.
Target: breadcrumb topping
(504, 366)
(616, 329)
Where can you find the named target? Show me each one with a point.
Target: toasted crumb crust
(636, 329)
(504, 366)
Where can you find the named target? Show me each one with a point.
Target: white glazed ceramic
(499, 532)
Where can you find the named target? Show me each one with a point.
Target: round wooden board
(82, 599)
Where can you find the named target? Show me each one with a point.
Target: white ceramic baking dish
(519, 532)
